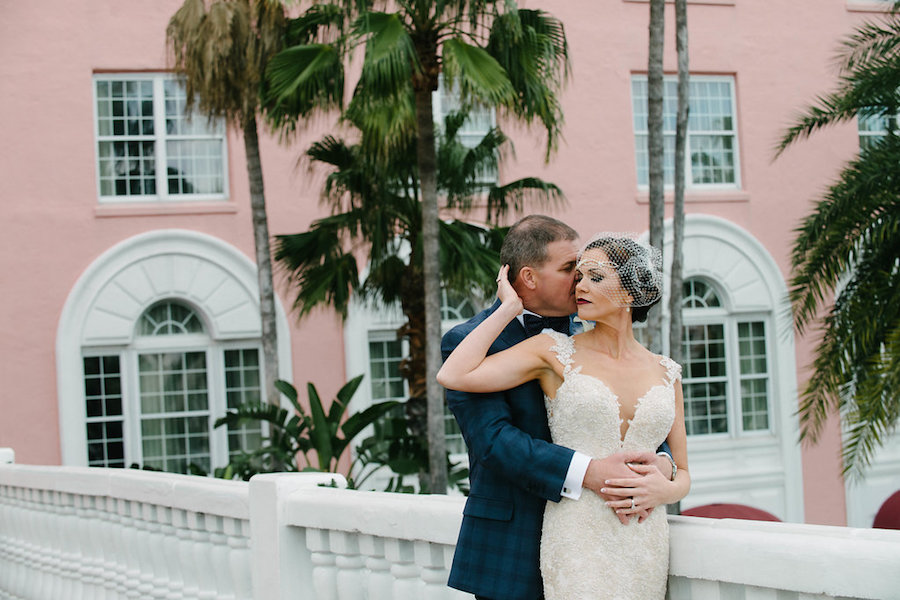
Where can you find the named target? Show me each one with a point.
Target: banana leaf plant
(320, 437)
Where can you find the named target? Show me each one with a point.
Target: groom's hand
(616, 466)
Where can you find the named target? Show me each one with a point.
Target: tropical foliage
(493, 52)
(846, 275)
(320, 437)
(375, 204)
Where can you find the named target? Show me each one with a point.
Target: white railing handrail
(78, 532)
(214, 496)
(811, 559)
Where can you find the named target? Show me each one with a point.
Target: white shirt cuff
(575, 477)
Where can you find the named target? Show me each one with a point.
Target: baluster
(129, 557)
(113, 573)
(157, 583)
(33, 557)
(143, 551)
(89, 543)
(186, 553)
(238, 535)
(218, 558)
(401, 553)
(379, 583)
(175, 581)
(430, 558)
(323, 562)
(200, 549)
(69, 584)
(349, 565)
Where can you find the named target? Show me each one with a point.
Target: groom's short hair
(526, 242)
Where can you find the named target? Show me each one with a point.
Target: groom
(513, 467)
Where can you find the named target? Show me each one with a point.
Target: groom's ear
(527, 277)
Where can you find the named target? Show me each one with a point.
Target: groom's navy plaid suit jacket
(513, 471)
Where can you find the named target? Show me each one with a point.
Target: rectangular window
(712, 131)
(754, 377)
(103, 404)
(242, 386)
(174, 408)
(705, 380)
(149, 148)
(385, 355)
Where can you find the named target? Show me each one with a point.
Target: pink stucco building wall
(779, 53)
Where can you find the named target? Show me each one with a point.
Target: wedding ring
(632, 503)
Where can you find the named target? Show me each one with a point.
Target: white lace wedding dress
(586, 552)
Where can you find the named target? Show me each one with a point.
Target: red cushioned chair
(888, 516)
(730, 511)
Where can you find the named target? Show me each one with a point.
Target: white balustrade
(105, 534)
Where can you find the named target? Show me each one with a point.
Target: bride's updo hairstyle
(638, 265)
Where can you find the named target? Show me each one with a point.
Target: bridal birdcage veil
(637, 264)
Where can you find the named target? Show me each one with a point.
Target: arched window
(159, 337)
(725, 376)
(154, 402)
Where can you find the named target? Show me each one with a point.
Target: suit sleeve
(493, 438)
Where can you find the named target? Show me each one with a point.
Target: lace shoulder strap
(563, 347)
(673, 370)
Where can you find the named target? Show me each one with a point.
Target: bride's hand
(505, 291)
(648, 491)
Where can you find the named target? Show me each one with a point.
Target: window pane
(135, 158)
(754, 375)
(705, 381)
(242, 385)
(711, 131)
(103, 408)
(170, 318)
(180, 411)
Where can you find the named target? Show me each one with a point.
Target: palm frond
(868, 83)
(861, 204)
(531, 47)
(469, 257)
(316, 263)
(513, 196)
(302, 79)
(477, 73)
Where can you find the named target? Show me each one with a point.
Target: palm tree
(375, 205)
(494, 52)
(221, 51)
(655, 148)
(681, 122)
(845, 255)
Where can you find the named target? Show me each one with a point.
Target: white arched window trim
(106, 302)
(760, 470)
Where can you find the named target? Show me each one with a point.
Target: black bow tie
(535, 324)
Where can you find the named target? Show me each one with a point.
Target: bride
(604, 393)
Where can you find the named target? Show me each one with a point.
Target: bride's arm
(469, 369)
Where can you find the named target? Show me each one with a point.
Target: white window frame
(216, 386)
(160, 137)
(722, 315)
(670, 134)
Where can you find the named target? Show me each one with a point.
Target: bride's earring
(627, 309)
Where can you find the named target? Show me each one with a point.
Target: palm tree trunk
(655, 149)
(431, 270)
(263, 259)
(681, 122)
